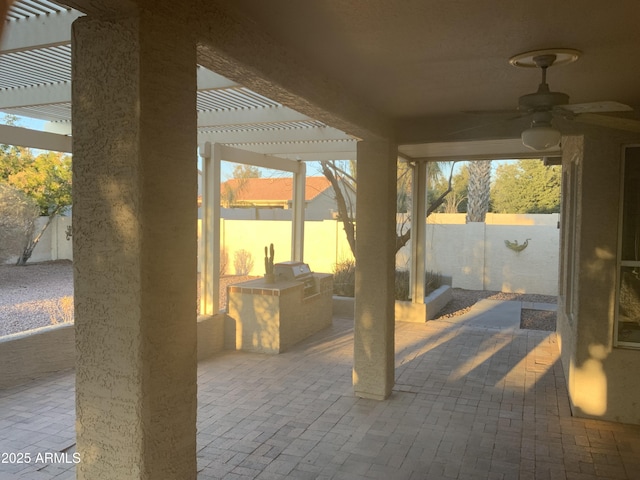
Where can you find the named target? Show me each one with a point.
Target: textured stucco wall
(566, 323)
(210, 335)
(374, 334)
(134, 218)
(309, 314)
(601, 378)
(476, 257)
(40, 352)
(270, 318)
(37, 353)
(532, 270)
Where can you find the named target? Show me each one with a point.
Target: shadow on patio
(469, 403)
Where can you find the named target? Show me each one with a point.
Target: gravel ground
(463, 300)
(40, 294)
(34, 296)
(29, 295)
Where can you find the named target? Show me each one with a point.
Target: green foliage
(402, 285)
(242, 173)
(527, 186)
(268, 259)
(432, 281)
(46, 178)
(344, 278)
(456, 201)
(12, 160)
(18, 214)
(344, 281)
(246, 171)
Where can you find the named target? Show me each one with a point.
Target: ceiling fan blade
(511, 111)
(596, 107)
(626, 124)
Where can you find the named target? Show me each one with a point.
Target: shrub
(60, 310)
(18, 214)
(344, 278)
(243, 262)
(344, 281)
(432, 281)
(402, 285)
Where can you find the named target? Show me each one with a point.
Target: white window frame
(622, 263)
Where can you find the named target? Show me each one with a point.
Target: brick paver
(469, 403)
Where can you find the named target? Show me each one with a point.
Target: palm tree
(478, 190)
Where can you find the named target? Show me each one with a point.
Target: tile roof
(274, 189)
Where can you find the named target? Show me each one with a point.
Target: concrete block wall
(28, 355)
(473, 256)
(54, 244)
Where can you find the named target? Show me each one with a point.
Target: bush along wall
(344, 281)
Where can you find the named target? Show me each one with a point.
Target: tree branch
(401, 240)
(328, 169)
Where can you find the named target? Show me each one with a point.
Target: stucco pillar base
(374, 335)
(372, 396)
(135, 242)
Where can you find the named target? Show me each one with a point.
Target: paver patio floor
(469, 402)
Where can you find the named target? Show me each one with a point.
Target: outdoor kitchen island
(271, 317)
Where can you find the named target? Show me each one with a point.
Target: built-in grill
(297, 272)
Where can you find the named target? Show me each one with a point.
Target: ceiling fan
(544, 103)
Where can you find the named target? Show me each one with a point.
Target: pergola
(35, 82)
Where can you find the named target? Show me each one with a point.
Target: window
(628, 318)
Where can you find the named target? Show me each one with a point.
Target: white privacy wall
(476, 257)
(471, 256)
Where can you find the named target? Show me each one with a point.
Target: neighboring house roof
(273, 189)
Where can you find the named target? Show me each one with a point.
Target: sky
(313, 168)
(26, 122)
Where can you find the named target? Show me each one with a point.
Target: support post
(418, 231)
(374, 336)
(297, 229)
(210, 230)
(135, 248)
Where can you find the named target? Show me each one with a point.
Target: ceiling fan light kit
(541, 138)
(541, 135)
(544, 103)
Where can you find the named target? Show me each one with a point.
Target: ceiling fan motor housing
(542, 100)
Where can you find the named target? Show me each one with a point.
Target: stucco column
(299, 204)
(373, 371)
(210, 230)
(418, 231)
(135, 247)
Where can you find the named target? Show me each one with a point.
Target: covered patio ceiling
(437, 71)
